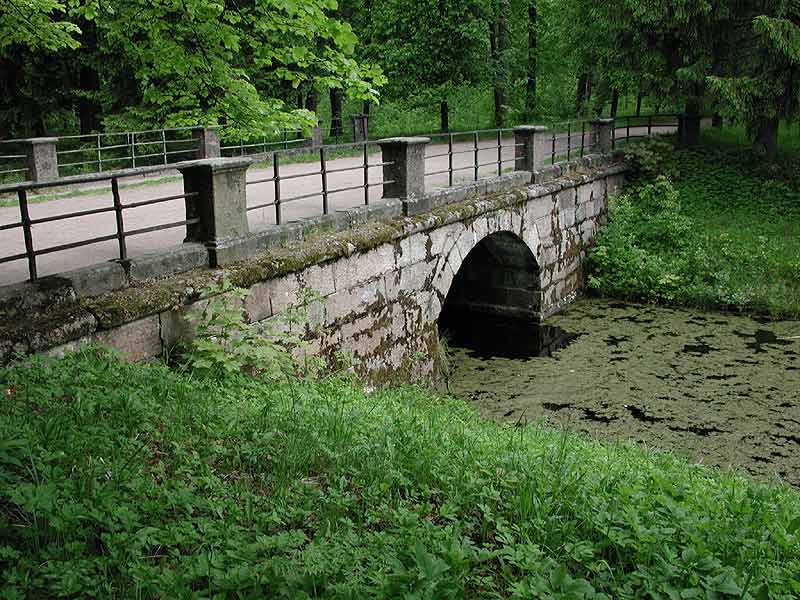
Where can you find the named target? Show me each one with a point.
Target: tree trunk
(580, 94)
(639, 104)
(444, 115)
(336, 112)
(312, 101)
(767, 136)
(365, 108)
(530, 88)
(614, 103)
(88, 109)
(88, 82)
(498, 41)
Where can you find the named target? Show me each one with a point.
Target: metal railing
(570, 139)
(322, 171)
(642, 127)
(13, 160)
(101, 152)
(26, 223)
(290, 176)
(468, 143)
(288, 138)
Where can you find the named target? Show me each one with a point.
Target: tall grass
(134, 481)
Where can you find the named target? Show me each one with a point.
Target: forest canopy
(259, 65)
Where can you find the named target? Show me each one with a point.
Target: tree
(427, 48)
(189, 62)
(531, 71)
(36, 24)
(759, 83)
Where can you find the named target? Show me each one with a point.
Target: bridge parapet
(384, 273)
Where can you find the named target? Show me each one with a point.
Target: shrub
(722, 230)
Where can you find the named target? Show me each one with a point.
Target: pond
(715, 388)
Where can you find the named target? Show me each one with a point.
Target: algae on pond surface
(718, 389)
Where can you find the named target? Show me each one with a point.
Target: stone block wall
(383, 281)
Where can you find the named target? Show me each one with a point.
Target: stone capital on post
(603, 132)
(406, 167)
(208, 145)
(219, 202)
(530, 143)
(42, 158)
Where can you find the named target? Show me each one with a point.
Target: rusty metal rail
(118, 207)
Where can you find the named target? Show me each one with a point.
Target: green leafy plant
(140, 481)
(723, 231)
(225, 344)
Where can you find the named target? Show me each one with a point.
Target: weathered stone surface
(177, 325)
(178, 259)
(319, 278)
(415, 277)
(353, 301)
(362, 267)
(97, 279)
(413, 249)
(282, 293)
(136, 341)
(42, 158)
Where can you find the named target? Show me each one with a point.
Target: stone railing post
(219, 202)
(315, 141)
(603, 130)
(405, 168)
(530, 143)
(208, 145)
(42, 158)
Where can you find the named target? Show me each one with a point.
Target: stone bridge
(511, 245)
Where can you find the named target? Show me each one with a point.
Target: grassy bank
(126, 480)
(714, 227)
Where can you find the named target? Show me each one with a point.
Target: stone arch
(488, 266)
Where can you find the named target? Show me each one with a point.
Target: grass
(731, 240)
(137, 481)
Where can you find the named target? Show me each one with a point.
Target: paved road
(63, 232)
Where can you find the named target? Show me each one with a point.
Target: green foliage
(646, 160)
(36, 24)
(138, 63)
(721, 232)
(225, 344)
(122, 480)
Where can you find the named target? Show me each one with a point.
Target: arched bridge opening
(495, 299)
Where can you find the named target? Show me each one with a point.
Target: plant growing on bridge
(225, 344)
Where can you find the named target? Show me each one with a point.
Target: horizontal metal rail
(26, 223)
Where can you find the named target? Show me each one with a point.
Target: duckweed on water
(718, 389)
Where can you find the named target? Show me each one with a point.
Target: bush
(712, 227)
(122, 480)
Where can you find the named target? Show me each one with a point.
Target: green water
(718, 389)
